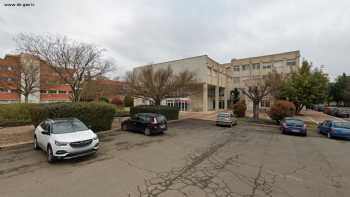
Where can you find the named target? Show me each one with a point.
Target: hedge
(171, 113)
(97, 115)
(281, 109)
(15, 114)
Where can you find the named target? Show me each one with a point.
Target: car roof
(55, 120)
(291, 118)
(149, 114)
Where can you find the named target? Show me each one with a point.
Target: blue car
(292, 125)
(331, 128)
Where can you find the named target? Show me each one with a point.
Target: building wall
(246, 69)
(220, 79)
(9, 78)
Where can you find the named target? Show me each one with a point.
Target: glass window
(256, 66)
(52, 91)
(68, 126)
(62, 92)
(236, 68)
(291, 62)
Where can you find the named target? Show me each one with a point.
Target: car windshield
(224, 115)
(68, 126)
(295, 121)
(345, 125)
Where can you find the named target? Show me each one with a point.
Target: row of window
(258, 66)
(7, 79)
(6, 68)
(6, 90)
(54, 92)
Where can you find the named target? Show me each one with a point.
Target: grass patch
(122, 112)
(260, 121)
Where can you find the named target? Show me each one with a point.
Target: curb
(29, 143)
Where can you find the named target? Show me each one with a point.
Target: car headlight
(58, 143)
(95, 138)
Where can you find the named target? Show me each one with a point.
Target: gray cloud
(140, 32)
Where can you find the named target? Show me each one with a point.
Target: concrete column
(216, 98)
(205, 97)
(226, 97)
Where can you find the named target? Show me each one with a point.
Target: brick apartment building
(51, 87)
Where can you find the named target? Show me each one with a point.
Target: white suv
(65, 138)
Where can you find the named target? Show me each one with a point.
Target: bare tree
(258, 88)
(161, 83)
(29, 82)
(74, 62)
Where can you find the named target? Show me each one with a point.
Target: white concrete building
(220, 79)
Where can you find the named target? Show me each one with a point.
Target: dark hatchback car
(147, 123)
(339, 129)
(341, 113)
(293, 126)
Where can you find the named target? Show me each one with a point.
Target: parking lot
(194, 158)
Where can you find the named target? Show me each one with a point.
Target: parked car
(341, 113)
(333, 128)
(293, 126)
(65, 138)
(226, 119)
(330, 110)
(147, 123)
(319, 108)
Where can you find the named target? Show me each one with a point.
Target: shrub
(97, 115)
(171, 113)
(15, 114)
(103, 99)
(240, 108)
(281, 109)
(117, 101)
(128, 101)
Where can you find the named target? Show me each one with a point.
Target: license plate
(295, 130)
(162, 126)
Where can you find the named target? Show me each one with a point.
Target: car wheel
(50, 157)
(35, 144)
(147, 131)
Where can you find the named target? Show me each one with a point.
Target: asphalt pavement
(194, 158)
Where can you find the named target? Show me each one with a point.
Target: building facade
(219, 80)
(49, 88)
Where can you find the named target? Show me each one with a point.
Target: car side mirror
(45, 133)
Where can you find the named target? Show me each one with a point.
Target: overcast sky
(138, 32)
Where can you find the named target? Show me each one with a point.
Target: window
(62, 92)
(265, 103)
(52, 91)
(267, 66)
(256, 66)
(245, 67)
(236, 68)
(291, 62)
(43, 91)
(9, 68)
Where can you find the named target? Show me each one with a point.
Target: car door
(132, 122)
(140, 123)
(39, 135)
(327, 127)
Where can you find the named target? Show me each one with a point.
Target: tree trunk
(157, 101)
(26, 98)
(256, 110)
(298, 108)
